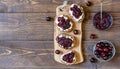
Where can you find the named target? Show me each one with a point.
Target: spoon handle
(101, 9)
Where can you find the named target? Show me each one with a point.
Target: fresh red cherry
(48, 18)
(107, 44)
(102, 44)
(98, 45)
(93, 60)
(100, 49)
(92, 36)
(110, 54)
(57, 51)
(89, 3)
(105, 58)
(110, 48)
(76, 32)
(105, 49)
(96, 52)
(102, 54)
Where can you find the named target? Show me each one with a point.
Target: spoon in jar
(101, 10)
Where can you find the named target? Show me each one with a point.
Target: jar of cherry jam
(102, 21)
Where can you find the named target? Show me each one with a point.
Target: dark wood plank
(22, 26)
(39, 54)
(44, 5)
(49, 67)
(26, 39)
(32, 26)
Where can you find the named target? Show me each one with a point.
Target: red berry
(110, 54)
(48, 18)
(96, 52)
(57, 51)
(76, 11)
(75, 6)
(89, 3)
(102, 54)
(63, 23)
(102, 44)
(69, 57)
(92, 36)
(64, 42)
(105, 49)
(93, 60)
(110, 48)
(98, 45)
(100, 49)
(75, 31)
(105, 58)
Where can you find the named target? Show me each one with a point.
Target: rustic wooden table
(26, 39)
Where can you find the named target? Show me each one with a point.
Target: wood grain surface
(26, 39)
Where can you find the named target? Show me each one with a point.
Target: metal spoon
(101, 9)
